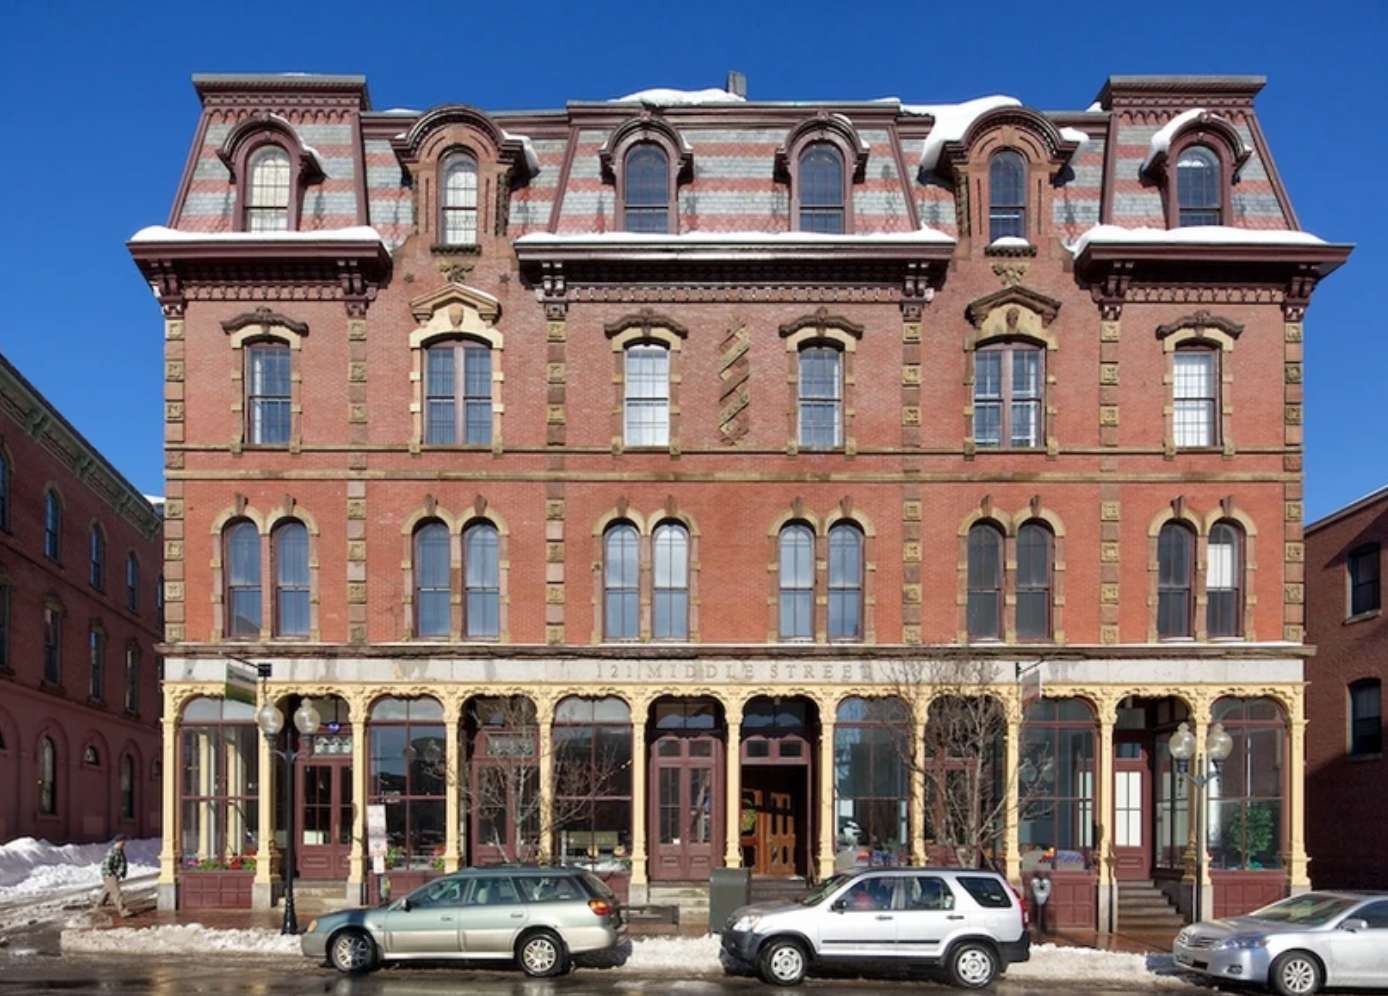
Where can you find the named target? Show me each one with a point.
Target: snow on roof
(667, 97)
(920, 235)
(399, 110)
(1160, 143)
(1075, 135)
(1193, 235)
(532, 161)
(1010, 242)
(355, 233)
(951, 121)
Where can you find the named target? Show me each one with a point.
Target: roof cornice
(237, 84)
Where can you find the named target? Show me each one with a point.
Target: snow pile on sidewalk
(181, 939)
(1054, 962)
(674, 955)
(29, 866)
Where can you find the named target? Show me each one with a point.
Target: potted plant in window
(216, 882)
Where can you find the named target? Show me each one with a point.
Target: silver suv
(968, 922)
(539, 917)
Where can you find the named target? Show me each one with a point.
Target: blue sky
(98, 114)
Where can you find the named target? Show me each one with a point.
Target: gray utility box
(728, 888)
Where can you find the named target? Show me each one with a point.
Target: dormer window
(646, 189)
(821, 189)
(1198, 195)
(1007, 196)
(267, 201)
(460, 200)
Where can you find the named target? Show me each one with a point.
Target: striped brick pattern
(879, 202)
(734, 188)
(1078, 199)
(588, 201)
(532, 203)
(391, 208)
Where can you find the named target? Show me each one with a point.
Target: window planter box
(214, 890)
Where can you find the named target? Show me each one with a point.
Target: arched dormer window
(1007, 195)
(1199, 178)
(459, 201)
(646, 186)
(822, 190)
(1196, 157)
(268, 191)
(270, 166)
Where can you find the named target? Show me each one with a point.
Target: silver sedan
(1295, 946)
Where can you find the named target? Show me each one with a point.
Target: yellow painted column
(828, 827)
(361, 780)
(1011, 838)
(732, 799)
(1103, 818)
(207, 785)
(168, 849)
(544, 715)
(268, 769)
(1200, 809)
(453, 781)
(920, 713)
(1298, 874)
(638, 800)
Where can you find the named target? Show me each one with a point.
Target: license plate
(1184, 959)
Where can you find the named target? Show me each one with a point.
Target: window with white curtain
(647, 395)
(1222, 570)
(1195, 393)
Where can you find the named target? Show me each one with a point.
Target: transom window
(1008, 394)
(460, 200)
(1195, 396)
(797, 582)
(821, 398)
(1198, 181)
(268, 411)
(432, 590)
(646, 189)
(1366, 717)
(985, 581)
(647, 395)
(1007, 195)
(1175, 581)
(1364, 592)
(845, 582)
(670, 549)
(267, 206)
(52, 525)
(1035, 564)
(1223, 569)
(458, 408)
(291, 579)
(243, 579)
(821, 189)
(621, 582)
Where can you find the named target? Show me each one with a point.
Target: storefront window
(964, 756)
(592, 784)
(504, 792)
(219, 759)
(1245, 825)
(1055, 786)
(872, 740)
(1173, 792)
(406, 749)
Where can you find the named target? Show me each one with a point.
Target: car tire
(1296, 973)
(353, 952)
(541, 955)
(782, 962)
(972, 965)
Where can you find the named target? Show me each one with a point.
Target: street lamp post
(271, 721)
(1218, 746)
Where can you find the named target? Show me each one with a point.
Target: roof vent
(737, 83)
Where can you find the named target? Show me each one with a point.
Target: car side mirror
(405, 905)
(1355, 924)
(838, 906)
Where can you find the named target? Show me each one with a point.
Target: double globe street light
(1218, 746)
(271, 722)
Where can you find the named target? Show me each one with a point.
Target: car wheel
(542, 955)
(353, 952)
(1295, 973)
(972, 965)
(782, 962)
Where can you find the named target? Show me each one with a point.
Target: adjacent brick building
(79, 620)
(1345, 769)
(668, 433)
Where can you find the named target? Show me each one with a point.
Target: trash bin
(728, 888)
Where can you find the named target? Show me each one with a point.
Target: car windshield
(817, 896)
(1312, 909)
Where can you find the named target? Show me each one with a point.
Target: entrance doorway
(1132, 805)
(777, 796)
(325, 813)
(686, 790)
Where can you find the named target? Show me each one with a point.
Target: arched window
(621, 583)
(821, 192)
(433, 589)
(1035, 564)
(670, 548)
(821, 398)
(243, 579)
(127, 787)
(291, 579)
(592, 783)
(52, 525)
(218, 775)
(845, 582)
(96, 648)
(1195, 397)
(482, 581)
(460, 200)
(267, 200)
(1223, 575)
(1198, 181)
(872, 749)
(458, 393)
(132, 680)
(1366, 717)
(48, 777)
(406, 748)
(797, 582)
(646, 189)
(132, 582)
(985, 582)
(1175, 580)
(269, 411)
(646, 385)
(52, 643)
(1055, 782)
(1007, 196)
(91, 757)
(4, 490)
(1009, 394)
(97, 574)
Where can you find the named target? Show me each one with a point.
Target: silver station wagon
(1295, 946)
(540, 918)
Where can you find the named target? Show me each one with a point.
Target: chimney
(737, 83)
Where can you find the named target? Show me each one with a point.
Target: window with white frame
(482, 581)
(621, 582)
(458, 394)
(1223, 567)
(460, 200)
(796, 582)
(268, 409)
(820, 398)
(1195, 398)
(670, 554)
(1009, 383)
(267, 201)
(646, 403)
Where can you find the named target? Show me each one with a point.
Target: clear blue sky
(97, 114)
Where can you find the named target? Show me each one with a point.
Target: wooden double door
(770, 838)
(686, 807)
(324, 790)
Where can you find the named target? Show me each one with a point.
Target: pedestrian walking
(113, 871)
(1040, 894)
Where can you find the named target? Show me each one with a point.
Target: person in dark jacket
(113, 872)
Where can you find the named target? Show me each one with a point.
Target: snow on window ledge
(920, 235)
(668, 97)
(355, 233)
(1195, 235)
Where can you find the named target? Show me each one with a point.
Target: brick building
(651, 448)
(79, 620)
(1345, 769)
